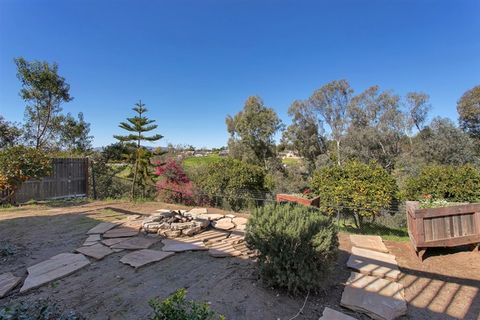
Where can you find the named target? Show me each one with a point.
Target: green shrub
(19, 164)
(357, 189)
(297, 246)
(236, 182)
(176, 307)
(452, 183)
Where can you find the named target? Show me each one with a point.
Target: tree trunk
(338, 152)
(135, 176)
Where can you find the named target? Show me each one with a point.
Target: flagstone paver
(378, 298)
(223, 224)
(7, 282)
(143, 257)
(102, 228)
(197, 211)
(135, 243)
(330, 314)
(179, 246)
(374, 263)
(368, 242)
(211, 216)
(97, 251)
(112, 241)
(121, 232)
(52, 269)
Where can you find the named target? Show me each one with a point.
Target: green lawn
(291, 161)
(387, 233)
(193, 162)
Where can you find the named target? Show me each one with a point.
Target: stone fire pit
(179, 223)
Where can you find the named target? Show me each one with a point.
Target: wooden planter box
(314, 202)
(443, 227)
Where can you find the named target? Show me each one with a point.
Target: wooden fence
(69, 179)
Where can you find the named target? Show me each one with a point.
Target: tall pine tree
(138, 126)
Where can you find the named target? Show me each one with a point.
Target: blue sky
(195, 61)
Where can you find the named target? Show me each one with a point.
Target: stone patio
(97, 251)
(368, 242)
(143, 257)
(374, 263)
(52, 269)
(330, 314)
(135, 243)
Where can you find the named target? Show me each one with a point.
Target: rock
(7, 282)
(97, 251)
(192, 231)
(211, 216)
(203, 223)
(231, 216)
(135, 243)
(52, 269)
(223, 224)
(152, 227)
(171, 233)
(378, 298)
(197, 211)
(163, 211)
(368, 242)
(121, 232)
(182, 225)
(241, 227)
(112, 241)
(141, 258)
(374, 263)
(102, 228)
(330, 314)
(93, 237)
(179, 246)
(239, 220)
(210, 235)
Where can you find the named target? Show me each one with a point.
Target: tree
(418, 108)
(376, 127)
(138, 126)
(74, 134)
(304, 135)
(19, 164)
(44, 90)
(10, 133)
(252, 132)
(468, 108)
(331, 102)
(444, 143)
(357, 189)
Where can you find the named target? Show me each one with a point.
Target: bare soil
(445, 286)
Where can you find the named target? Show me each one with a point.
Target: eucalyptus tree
(468, 108)
(137, 127)
(44, 90)
(252, 132)
(305, 134)
(418, 108)
(331, 102)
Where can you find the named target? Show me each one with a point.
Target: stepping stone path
(121, 232)
(372, 291)
(143, 257)
(112, 241)
(376, 297)
(374, 263)
(7, 282)
(91, 240)
(180, 246)
(135, 243)
(368, 242)
(97, 251)
(102, 228)
(330, 314)
(52, 269)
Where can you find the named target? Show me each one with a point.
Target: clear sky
(195, 61)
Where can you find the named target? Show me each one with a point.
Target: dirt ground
(445, 286)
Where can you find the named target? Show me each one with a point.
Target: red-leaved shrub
(174, 186)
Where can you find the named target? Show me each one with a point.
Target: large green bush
(19, 164)
(297, 246)
(356, 189)
(452, 183)
(237, 183)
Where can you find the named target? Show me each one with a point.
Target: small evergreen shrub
(297, 246)
(356, 189)
(451, 183)
(176, 307)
